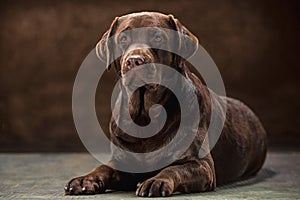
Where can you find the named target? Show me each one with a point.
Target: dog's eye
(157, 38)
(123, 39)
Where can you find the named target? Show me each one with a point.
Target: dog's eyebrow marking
(126, 28)
(157, 30)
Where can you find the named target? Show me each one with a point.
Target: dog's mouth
(140, 76)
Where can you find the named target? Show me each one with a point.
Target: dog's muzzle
(140, 63)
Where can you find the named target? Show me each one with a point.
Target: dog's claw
(71, 189)
(163, 193)
(66, 188)
(143, 194)
(150, 194)
(83, 189)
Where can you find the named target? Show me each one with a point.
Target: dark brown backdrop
(42, 44)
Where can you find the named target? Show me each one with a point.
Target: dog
(239, 153)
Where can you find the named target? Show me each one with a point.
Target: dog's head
(134, 45)
(139, 38)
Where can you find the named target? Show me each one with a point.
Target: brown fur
(240, 151)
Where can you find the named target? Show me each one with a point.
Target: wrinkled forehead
(139, 20)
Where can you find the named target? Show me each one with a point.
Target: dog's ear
(105, 47)
(187, 42)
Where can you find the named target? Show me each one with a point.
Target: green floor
(42, 176)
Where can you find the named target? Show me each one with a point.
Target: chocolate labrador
(239, 153)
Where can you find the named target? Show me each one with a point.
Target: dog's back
(242, 146)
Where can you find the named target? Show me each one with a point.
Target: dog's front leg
(97, 181)
(194, 176)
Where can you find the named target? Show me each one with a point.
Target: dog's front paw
(155, 187)
(84, 185)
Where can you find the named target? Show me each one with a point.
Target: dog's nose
(134, 61)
